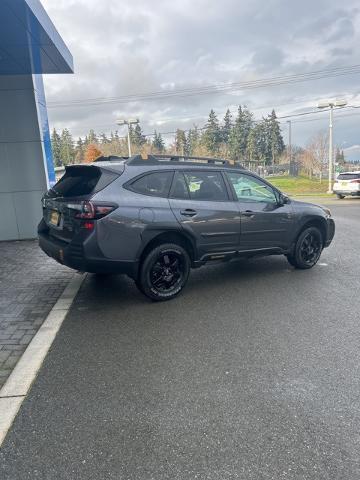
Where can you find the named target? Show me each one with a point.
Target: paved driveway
(252, 373)
(30, 284)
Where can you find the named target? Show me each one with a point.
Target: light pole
(291, 170)
(130, 121)
(336, 103)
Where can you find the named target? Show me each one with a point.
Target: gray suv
(155, 218)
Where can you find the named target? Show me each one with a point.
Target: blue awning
(29, 42)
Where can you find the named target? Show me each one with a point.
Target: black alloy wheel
(164, 272)
(308, 249)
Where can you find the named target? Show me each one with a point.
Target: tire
(164, 272)
(339, 196)
(307, 250)
(291, 260)
(139, 287)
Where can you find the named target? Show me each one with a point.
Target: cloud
(140, 46)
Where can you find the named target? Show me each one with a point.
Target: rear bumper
(354, 193)
(73, 256)
(330, 232)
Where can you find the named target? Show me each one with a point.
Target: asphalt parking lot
(252, 373)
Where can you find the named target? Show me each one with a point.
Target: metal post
(129, 140)
(128, 123)
(330, 148)
(291, 169)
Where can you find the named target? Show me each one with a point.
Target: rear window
(348, 176)
(80, 181)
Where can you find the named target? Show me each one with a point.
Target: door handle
(188, 212)
(248, 213)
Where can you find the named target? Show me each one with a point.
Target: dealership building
(30, 46)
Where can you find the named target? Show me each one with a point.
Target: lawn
(299, 185)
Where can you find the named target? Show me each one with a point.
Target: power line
(314, 112)
(345, 115)
(233, 112)
(212, 89)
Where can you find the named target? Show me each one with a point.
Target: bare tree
(318, 148)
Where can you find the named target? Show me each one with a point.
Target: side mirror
(284, 199)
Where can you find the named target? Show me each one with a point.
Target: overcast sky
(142, 46)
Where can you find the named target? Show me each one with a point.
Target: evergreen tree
(257, 143)
(227, 127)
(92, 137)
(67, 147)
(193, 140)
(79, 151)
(238, 141)
(275, 139)
(137, 137)
(181, 142)
(158, 142)
(339, 156)
(211, 137)
(56, 148)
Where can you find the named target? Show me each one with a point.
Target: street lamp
(327, 104)
(130, 121)
(291, 169)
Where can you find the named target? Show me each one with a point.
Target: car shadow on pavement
(118, 292)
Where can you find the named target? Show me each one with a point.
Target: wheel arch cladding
(319, 223)
(154, 238)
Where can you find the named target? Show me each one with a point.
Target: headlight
(327, 211)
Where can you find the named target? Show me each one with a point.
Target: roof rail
(154, 159)
(110, 158)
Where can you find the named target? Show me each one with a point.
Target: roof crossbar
(153, 159)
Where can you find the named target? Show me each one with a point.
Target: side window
(206, 186)
(156, 184)
(179, 188)
(251, 189)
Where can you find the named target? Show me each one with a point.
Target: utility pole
(291, 169)
(331, 148)
(130, 121)
(331, 105)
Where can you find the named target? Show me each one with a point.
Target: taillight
(91, 210)
(87, 211)
(88, 225)
(357, 180)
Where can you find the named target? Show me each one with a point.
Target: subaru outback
(155, 218)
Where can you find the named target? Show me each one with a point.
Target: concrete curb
(19, 382)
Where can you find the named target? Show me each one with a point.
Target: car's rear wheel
(307, 250)
(339, 196)
(164, 272)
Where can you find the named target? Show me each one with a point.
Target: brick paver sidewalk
(30, 284)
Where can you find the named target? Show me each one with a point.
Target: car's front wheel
(164, 272)
(307, 250)
(339, 196)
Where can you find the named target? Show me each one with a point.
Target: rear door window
(179, 187)
(156, 184)
(206, 186)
